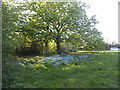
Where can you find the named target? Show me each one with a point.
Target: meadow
(100, 72)
(40, 43)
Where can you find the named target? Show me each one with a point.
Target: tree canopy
(33, 26)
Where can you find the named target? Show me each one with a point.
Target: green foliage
(93, 40)
(9, 37)
(32, 26)
(63, 22)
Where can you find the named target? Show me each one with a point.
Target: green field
(101, 72)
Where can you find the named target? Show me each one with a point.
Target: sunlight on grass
(101, 72)
(98, 51)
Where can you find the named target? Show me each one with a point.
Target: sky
(106, 12)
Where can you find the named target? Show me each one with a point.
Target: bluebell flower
(57, 59)
(20, 63)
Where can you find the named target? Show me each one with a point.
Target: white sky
(106, 12)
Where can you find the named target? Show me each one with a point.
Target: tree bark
(58, 48)
(58, 45)
(46, 48)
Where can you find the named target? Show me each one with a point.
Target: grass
(101, 72)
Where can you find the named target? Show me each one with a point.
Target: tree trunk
(58, 47)
(46, 48)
